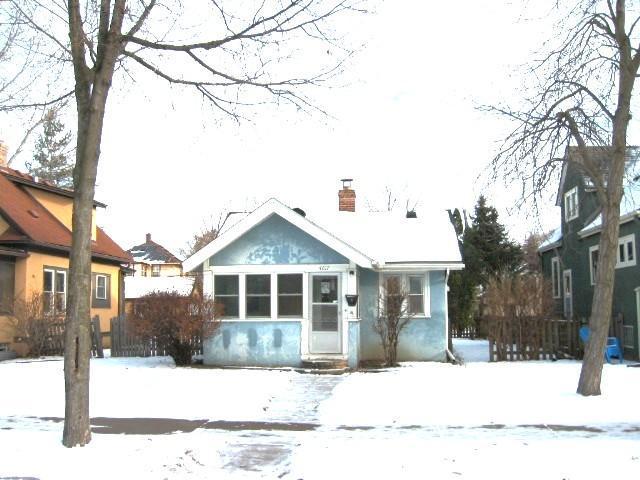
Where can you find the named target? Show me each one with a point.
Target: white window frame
(155, 270)
(53, 302)
(556, 277)
(104, 278)
(239, 294)
(627, 239)
(404, 279)
(592, 271)
(269, 295)
(278, 295)
(571, 195)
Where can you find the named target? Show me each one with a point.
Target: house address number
(323, 268)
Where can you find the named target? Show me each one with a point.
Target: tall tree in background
(486, 251)
(51, 160)
(531, 261)
(245, 54)
(580, 93)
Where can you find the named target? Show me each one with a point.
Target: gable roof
(379, 240)
(32, 224)
(152, 252)
(600, 155)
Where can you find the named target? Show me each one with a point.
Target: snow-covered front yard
(423, 420)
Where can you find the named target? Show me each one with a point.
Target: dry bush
(517, 307)
(393, 316)
(173, 320)
(31, 326)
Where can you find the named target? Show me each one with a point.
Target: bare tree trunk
(91, 90)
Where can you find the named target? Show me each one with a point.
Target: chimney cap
(346, 182)
(148, 237)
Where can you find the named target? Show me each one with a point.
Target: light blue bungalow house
(298, 290)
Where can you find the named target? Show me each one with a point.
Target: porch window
(155, 270)
(626, 251)
(258, 295)
(290, 295)
(594, 254)
(7, 276)
(55, 291)
(555, 277)
(571, 204)
(226, 293)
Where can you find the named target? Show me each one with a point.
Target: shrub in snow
(174, 322)
(33, 326)
(394, 313)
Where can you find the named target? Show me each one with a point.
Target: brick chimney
(346, 196)
(148, 237)
(3, 154)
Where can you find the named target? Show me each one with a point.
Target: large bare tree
(238, 55)
(580, 93)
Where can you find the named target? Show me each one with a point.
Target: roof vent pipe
(412, 214)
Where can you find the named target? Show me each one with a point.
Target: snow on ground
(422, 420)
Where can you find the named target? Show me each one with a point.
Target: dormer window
(571, 204)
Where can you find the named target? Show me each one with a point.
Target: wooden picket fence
(477, 330)
(55, 338)
(125, 344)
(532, 338)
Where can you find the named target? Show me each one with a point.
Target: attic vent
(412, 214)
(33, 213)
(299, 211)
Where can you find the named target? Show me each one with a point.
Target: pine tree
(486, 251)
(51, 161)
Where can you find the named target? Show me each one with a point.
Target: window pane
(415, 285)
(325, 318)
(290, 306)
(258, 306)
(229, 306)
(630, 251)
(61, 282)
(290, 283)
(226, 284)
(325, 289)
(7, 275)
(258, 284)
(48, 281)
(416, 304)
(621, 253)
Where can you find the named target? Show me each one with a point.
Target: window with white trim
(594, 255)
(226, 291)
(101, 287)
(417, 288)
(571, 204)
(155, 270)
(55, 290)
(258, 295)
(626, 256)
(290, 295)
(555, 277)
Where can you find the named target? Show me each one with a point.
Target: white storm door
(325, 314)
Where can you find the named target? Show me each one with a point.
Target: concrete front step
(328, 365)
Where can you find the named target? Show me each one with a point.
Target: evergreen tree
(486, 251)
(51, 161)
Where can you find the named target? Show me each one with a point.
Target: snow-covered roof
(151, 253)
(136, 287)
(370, 239)
(552, 241)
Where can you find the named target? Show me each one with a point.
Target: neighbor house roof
(553, 241)
(379, 240)
(152, 252)
(31, 224)
(136, 287)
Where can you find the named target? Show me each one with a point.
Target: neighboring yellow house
(35, 239)
(150, 259)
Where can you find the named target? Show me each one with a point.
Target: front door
(325, 314)
(568, 294)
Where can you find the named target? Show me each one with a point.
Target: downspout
(450, 356)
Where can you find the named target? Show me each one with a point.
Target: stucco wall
(275, 241)
(422, 339)
(254, 343)
(29, 277)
